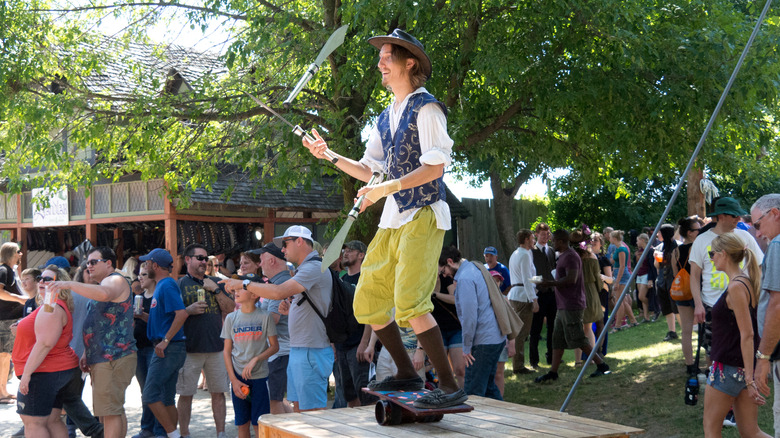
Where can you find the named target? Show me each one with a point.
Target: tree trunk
(502, 208)
(695, 196)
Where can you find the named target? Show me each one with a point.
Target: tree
(530, 86)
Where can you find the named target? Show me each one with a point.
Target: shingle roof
(322, 195)
(135, 67)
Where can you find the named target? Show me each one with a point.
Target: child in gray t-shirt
(250, 339)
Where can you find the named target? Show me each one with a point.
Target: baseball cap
(727, 205)
(293, 231)
(270, 248)
(160, 256)
(356, 245)
(60, 261)
(497, 274)
(491, 250)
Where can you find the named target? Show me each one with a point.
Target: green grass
(644, 390)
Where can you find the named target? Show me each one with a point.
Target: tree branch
(491, 129)
(142, 4)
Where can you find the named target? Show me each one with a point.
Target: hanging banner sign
(56, 214)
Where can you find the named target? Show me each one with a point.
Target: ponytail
(754, 272)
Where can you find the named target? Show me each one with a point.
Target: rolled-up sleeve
(435, 143)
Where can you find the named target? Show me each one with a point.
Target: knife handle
(356, 209)
(297, 130)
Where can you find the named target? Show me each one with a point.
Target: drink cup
(49, 300)
(659, 256)
(138, 305)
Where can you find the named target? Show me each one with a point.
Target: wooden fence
(479, 230)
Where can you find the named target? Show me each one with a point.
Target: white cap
(293, 231)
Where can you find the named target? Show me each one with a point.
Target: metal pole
(671, 201)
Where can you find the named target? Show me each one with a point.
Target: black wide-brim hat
(410, 43)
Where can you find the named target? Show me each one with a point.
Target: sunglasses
(18, 251)
(712, 253)
(43, 279)
(200, 258)
(289, 239)
(144, 274)
(756, 223)
(94, 262)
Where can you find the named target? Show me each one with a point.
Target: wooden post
(171, 237)
(91, 228)
(696, 204)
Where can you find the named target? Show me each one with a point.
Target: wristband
(387, 188)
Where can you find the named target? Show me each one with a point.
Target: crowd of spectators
(255, 332)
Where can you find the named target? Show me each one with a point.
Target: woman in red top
(44, 362)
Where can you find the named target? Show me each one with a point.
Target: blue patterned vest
(402, 154)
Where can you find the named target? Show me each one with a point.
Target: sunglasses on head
(94, 262)
(43, 279)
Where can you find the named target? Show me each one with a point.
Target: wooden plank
(484, 421)
(311, 425)
(547, 425)
(363, 418)
(491, 418)
(577, 423)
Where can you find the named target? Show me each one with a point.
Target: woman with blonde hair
(621, 271)
(734, 341)
(46, 366)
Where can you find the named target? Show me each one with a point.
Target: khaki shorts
(567, 331)
(400, 271)
(109, 382)
(213, 366)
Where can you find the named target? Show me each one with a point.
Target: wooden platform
(490, 418)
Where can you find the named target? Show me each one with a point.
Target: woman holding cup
(44, 362)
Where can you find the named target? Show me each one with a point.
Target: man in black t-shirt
(202, 330)
(350, 370)
(11, 307)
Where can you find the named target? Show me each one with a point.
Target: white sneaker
(730, 421)
(221, 435)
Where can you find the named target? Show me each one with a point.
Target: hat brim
(422, 57)
(729, 211)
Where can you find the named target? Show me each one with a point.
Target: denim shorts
(686, 303)
(727, 379)
(307, 376)
(640, 279)
(452, 339)
(163, 374)
(252, 407)
(46, 392)
(624, 278)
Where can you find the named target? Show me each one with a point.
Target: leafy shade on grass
(645, 389)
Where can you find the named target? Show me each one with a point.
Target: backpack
(340, 321)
